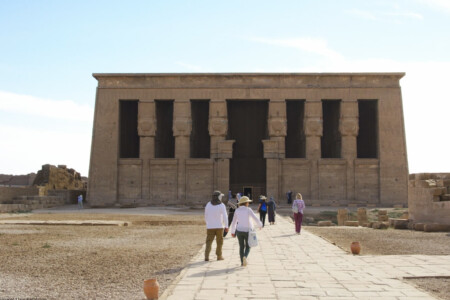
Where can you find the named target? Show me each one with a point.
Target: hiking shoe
(244, 261)
(206, 259)
(220, 258)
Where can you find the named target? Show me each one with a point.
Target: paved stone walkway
(290, 266)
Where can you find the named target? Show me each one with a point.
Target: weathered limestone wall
(7, 194)
(429, 198)
(347, 180)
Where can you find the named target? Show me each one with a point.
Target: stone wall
(346, 180)
(429, 198)
(59, 178)
(7, 194)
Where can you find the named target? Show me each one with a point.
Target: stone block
(405, 215)
(324, 223)
(362, 215)
(383, 218)
(399, 223)
(352, 223)
(342, 216)
(419, 226)
(382, 212)
(439, 191)
(434, 227)
(445, 197)
(380, 225)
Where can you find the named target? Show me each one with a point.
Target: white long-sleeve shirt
(243, 220)
(216, 216)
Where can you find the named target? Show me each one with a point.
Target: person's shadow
(214, 272)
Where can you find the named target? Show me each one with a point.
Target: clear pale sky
(49, 50)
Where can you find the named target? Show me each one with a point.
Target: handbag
(295, 208)
(252, 238)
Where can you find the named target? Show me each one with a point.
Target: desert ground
(111, 262)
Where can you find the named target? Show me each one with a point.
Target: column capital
(218, 126)
(182, 126)
(349, 126)
(313, 126)
(146, 127)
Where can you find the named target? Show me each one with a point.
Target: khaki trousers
(210, 235)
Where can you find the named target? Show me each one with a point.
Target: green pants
(210, 235)
(244, 248)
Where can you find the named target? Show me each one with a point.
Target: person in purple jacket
(297, 208)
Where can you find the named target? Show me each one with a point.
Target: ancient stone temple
(161, 139)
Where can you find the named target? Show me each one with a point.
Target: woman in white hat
(243, 221)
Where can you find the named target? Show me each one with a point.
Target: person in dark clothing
(289, 197)
(271, 210)
(262, 209)
(232, 205)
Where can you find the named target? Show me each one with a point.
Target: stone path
(290, 266)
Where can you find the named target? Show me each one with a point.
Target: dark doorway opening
(164, 140)
(295, 137)
(200, 140)
(248, 191)
(331, 138)
(128, 124)
(367, 140)
(247, 125)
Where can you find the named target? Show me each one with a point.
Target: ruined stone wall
(7, 194)
(429, 198)
(59, 178)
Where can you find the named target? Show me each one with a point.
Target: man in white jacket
(216, 222)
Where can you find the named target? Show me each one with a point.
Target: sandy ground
(394, 242)
(106, 262)
(95, 262)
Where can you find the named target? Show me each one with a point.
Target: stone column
(146, 131)
(348, 127)
(182, 127)
(313, 124)
(221, 151)
(274, 150)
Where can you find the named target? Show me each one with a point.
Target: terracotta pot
(355, 247)
(151, 288)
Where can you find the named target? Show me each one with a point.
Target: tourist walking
(232, 205)
(262, 209)
(271, 208)
(243, 221)
(297, 208)
(289, 197)
(80, 201)
(216, 222)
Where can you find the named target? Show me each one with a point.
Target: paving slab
(290, 266)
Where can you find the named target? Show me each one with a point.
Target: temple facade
(167, 139)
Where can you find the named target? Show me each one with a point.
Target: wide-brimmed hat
(262, 197)
(244, 199)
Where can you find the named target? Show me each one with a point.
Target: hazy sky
(49, 50)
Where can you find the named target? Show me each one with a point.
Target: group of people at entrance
(241, 221)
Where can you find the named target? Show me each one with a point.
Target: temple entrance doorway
(247, 125)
